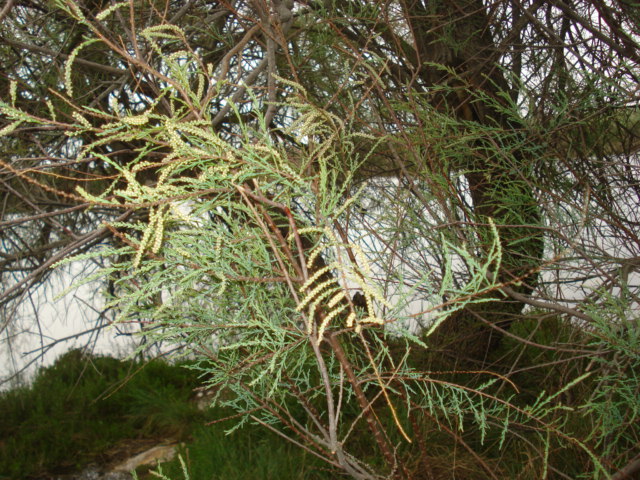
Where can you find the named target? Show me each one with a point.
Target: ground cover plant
(77, 409)
(87, 409)
(386, 231)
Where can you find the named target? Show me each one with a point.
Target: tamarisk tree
(386, 230)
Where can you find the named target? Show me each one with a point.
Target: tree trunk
(456, 35)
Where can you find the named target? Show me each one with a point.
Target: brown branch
(6, 9)
(627, 472)
(52, 53)
(365, 405)
(546, 305)
(30, 218)
(84, 241)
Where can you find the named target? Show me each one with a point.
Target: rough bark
(456, 35)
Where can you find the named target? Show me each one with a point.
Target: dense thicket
(406, 217)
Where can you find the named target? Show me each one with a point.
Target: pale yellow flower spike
(316, 275)
(158, 232)
(313, 294)
(328, 319)
(310, 323)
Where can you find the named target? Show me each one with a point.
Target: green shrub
(83, 404)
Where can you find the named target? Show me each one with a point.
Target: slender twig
(6, 9)
(82, 242)
(52, 53)
(629, 470)
(366, 407)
